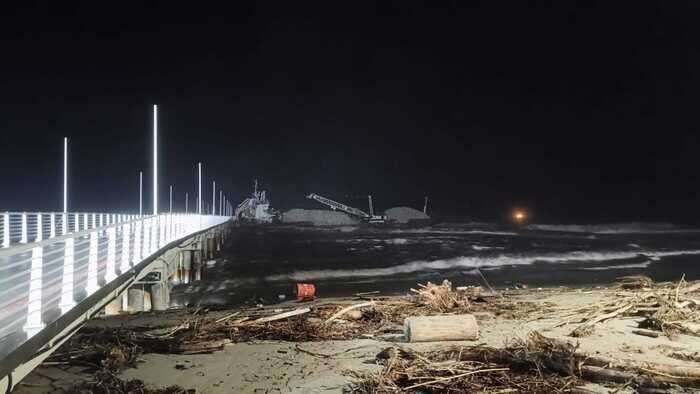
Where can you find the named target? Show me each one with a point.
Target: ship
(256, 208)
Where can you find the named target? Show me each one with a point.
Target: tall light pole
(171, 198)
(213, 198)
(141, 193)
(199, 194)
(155, 159)
(221, 201)
(187, 202)
(65, 174)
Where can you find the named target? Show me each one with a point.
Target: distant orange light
(519, 216)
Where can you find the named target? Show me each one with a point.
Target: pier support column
(160, 296)
(186, 266)
(114, 307)
(139, 300)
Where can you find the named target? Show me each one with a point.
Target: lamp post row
(224, 205)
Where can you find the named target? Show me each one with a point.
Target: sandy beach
(238, 364)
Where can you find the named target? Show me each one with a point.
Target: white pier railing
(51, 261)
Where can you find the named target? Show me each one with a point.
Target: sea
(263, 264)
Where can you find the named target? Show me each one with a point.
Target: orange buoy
(305, 291)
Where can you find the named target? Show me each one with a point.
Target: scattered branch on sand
(536, 365)
(667, 307)
(280, 316)
(106, 382)
(348, 309)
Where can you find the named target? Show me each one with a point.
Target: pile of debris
(524, 367)
(441, 298)
(535, 365)
(666, 308)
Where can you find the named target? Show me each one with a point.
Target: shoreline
(332, 365)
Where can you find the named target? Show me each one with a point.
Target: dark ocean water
(262, 262)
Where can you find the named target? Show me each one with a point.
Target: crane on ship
(352, 211)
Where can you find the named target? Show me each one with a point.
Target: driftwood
(348, 309)
(441, 328)
(647, 333)
(280, 316)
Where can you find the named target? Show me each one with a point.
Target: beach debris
(355, 314)
(667, 307)
(646, 333)
(441, 328)
(537, 364)
(348, 309)
(279, 316)
(305, 291)
(584, 330)
(466, 369)
(106, 382)
(440, 298)
(635, 282)
(471, 292)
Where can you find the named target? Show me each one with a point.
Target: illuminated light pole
(140, 193)
(213, 198)
(65, 174)
(199, 195)
(155, 159)
(171, 198)
(187, 202)
(221, 202)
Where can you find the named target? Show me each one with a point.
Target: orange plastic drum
(305, 291)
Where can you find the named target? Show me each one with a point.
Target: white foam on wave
(481, 247)
(617, 228)
(396, 241)
(452, 232)
(472, 262)
(616, 267)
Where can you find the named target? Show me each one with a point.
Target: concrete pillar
(210, 248)
(160, 296)
(139, 300)
(114, 307)
(186, 266)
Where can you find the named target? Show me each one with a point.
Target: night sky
(581, 111)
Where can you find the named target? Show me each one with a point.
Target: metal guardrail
(24, 227)
(52, 261)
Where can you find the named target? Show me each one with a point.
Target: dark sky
(581, 111)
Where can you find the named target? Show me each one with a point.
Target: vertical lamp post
(140, 193)
(65, 174)
(199, 194)
(155, 159)
(171, 198)
(187, 202)
(213, 198)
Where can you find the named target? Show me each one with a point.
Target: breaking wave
(616, 267)
(473, 262)
(619, 228)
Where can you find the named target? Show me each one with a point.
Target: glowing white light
(140, 193)
(155, 159)
(199, 194)
(65, 174)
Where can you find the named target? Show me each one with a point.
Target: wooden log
(284, 315)
(348, 309)
(441, 328)
(647, 333)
